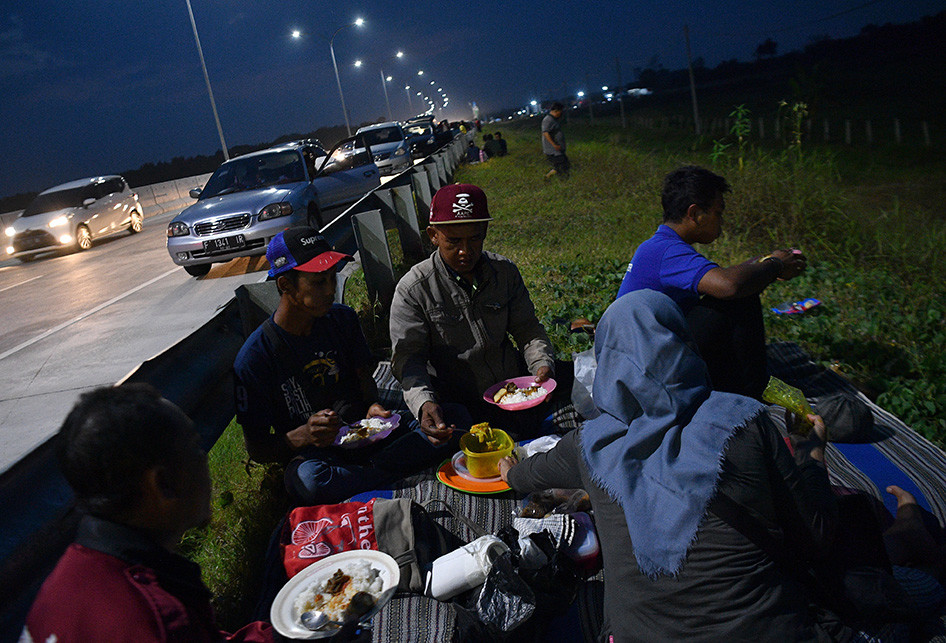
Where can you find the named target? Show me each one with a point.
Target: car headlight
(178, 229)
(58, 222)
(401, 151)
(274, 210)
(10, 231)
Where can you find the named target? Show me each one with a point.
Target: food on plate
(512, 394)
(486, 439)
(365, 429)
(348, 593)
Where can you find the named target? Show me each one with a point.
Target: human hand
(378, 411)
(793, 263)
(814, 442)
(505, 464)
(542, 374)
(319, 430)
(431, 423)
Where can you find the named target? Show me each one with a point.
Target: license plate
(224, 244)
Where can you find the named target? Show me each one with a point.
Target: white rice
(364, 578)
(520, 396)
(374, 426)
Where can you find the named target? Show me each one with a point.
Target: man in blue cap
(306, 373)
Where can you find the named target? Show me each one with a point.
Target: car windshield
(417, 130)
(254, 173)
(383, 135)
(52, 201)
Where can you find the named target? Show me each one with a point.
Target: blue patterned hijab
(658, 445)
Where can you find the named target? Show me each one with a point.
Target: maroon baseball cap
(301, 248)
(459, 203)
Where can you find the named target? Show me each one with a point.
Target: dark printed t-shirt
(668, 264)
(282, 388)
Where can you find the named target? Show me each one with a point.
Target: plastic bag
(585, 366)
(505, 601)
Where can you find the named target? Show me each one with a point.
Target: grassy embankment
(867, 220)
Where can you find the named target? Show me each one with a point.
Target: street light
(331, 48)
(410, 103)
(203, 65)
(384, 83)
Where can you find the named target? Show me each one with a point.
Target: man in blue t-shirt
(306, 372)
(721, 304)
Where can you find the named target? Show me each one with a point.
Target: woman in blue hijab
(662, 458)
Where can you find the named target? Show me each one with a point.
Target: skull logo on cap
(463, 207)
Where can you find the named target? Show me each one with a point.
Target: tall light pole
(410, 103)
(203, 65)
(331, 47)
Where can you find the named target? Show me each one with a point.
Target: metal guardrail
(195, 373)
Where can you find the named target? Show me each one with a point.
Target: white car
(73, 215)
(389, 146)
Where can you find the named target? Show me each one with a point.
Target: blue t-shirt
(668, 264)
(283, 393)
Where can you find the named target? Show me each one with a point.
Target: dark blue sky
(97, 87)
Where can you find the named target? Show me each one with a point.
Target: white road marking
(91, 311)
(21, 283)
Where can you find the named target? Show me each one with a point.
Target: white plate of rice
(370, 570)
(367, 431)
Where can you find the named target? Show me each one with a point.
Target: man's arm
(751, 277)
(551, 141)
(410, 351)
(526, 329)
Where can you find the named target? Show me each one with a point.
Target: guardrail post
(375, 255)
(408, 226)
(422, 192)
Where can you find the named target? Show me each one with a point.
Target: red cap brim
(325, 261)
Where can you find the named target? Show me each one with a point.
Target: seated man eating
(305, 373)
(455, 316)
(721, 304)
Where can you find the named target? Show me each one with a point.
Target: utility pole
(617, 63)
(696, 111)
(591, 114)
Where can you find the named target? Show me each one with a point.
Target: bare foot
(903, 497)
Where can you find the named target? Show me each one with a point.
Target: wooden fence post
(926, 133)
(827, 137)
(761, 128)
(896, 131)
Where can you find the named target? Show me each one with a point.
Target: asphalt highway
(71, 322)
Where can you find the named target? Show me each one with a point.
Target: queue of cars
(244, 204)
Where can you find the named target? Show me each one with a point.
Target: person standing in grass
(553, 142)
(721, 304)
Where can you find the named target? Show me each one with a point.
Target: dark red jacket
(114, 585)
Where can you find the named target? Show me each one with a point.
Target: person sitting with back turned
(661, 462)
(491, 146)
(721, 304)
(455, 316)
(141, 480)
(306, 372)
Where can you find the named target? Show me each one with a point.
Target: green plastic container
(791, 398)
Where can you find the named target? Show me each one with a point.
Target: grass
(868, 220)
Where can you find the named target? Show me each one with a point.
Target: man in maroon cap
(306, 372)
(454, 318)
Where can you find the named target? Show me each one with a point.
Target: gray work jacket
(442, 334)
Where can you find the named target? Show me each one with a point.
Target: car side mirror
(88, 202)
(195, 193)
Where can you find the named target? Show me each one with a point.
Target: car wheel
(137, 222)
(199, 270)
(83, 238)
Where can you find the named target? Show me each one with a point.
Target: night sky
(99, 87)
